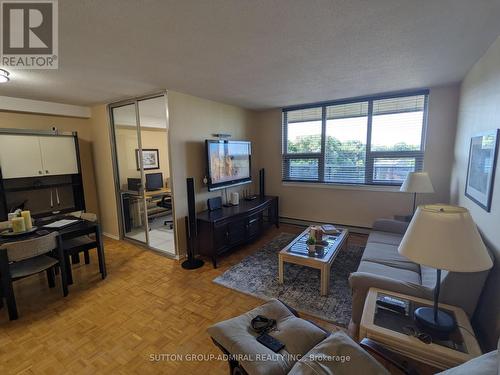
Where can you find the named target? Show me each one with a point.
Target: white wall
(479, 111)
(353, 206)
(191, 121)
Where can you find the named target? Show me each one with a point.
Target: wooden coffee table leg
(325, 280)
(280, 270)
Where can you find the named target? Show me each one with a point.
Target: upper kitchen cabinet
(58, 155)
(20, 156)
(35, 156)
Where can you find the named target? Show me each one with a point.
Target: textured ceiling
(261, 53)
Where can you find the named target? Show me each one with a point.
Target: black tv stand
(222, 230)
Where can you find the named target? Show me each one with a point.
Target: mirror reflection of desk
(133, 204)
(156, 193)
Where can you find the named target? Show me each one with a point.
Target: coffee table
(296, 252)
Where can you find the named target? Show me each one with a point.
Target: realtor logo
(29, 37)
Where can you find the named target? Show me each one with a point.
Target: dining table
(78, 229)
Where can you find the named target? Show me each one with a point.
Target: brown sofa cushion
(238, 338)
(487, 364)
(397, 274)
(388, 255)
(390, 225)
(338, 354)
(385, 238)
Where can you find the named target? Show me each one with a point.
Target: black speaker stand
(192, 264)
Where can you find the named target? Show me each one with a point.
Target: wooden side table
(442, 355)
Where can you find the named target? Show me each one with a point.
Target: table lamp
(417, 182)
(443, 237)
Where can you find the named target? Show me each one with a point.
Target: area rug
(257, 275)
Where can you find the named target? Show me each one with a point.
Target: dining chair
(24, 258)
(74, 246)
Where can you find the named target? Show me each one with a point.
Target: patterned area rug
(257, 275)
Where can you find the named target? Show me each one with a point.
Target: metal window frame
(370, 156)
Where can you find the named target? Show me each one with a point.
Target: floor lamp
(417, 182)
(443, 237)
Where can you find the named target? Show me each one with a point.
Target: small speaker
(214, 203)
(262, 185)
(191, 229)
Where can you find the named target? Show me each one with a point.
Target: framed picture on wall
(150, 158)
(481, 169)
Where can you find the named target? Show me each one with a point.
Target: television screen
(228, 163)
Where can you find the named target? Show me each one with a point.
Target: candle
(18, 225)
(26, 215)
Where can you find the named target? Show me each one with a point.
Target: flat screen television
(154, 181)
(228, 163)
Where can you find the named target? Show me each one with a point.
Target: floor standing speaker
(262, 185)
(191, 231)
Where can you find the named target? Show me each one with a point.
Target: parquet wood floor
(147, 306)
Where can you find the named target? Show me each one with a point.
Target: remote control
(270, 342)
(393, 304)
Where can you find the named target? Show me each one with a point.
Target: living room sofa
(383, 267)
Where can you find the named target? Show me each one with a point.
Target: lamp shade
(417, 182)
(445, 237)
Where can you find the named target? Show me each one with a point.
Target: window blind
(376, 140)
(345, 151)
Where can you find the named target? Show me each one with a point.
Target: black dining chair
(24, 258)
(74, 246)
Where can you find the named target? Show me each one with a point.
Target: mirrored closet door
(142, 172)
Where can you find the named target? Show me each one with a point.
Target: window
(368, 141)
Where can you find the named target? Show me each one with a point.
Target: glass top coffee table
(296, 252)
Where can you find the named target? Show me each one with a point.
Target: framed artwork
(150, 158)
(481, 169)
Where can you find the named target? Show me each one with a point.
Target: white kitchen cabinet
(20, 156)
(35, 156)
(58, 155)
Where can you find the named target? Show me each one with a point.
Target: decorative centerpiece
(28, 223)
(20, 223)
(311, 245)
(317, 232)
